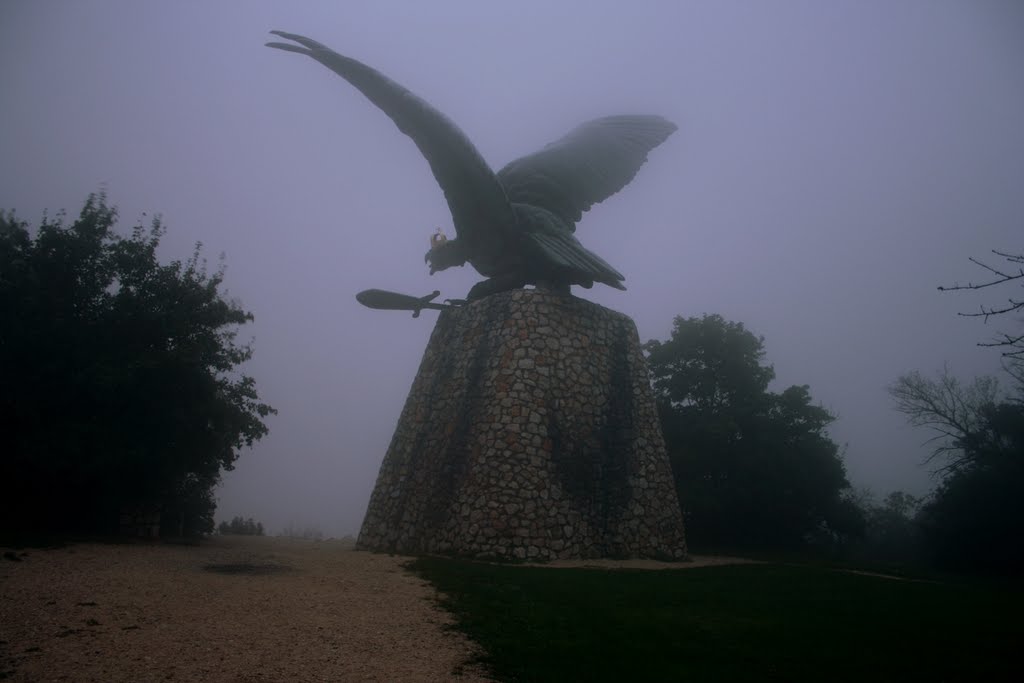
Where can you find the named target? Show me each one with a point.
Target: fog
(835, 163)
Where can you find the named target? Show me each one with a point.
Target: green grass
(733, 623)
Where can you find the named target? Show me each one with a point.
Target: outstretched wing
(593, 162)
(480, 210)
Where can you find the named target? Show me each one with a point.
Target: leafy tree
(120, 384)
(975, 517)
(753, 468)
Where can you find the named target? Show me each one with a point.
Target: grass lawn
(732, 623)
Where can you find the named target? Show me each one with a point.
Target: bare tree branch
(1014, 343)
(953, 411)
(1012, 258)
(1001, 276)
(986, 312)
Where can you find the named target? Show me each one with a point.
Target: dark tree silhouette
(120, 387)
(975, 517)
(753, 468)
(951, 410)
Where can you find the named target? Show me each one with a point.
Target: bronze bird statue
(515, 227)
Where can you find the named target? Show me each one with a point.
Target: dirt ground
(237, 609)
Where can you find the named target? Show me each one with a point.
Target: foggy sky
(835, 162)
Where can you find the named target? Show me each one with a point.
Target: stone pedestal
(530, 432)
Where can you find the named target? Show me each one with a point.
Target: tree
(976, 514)
(752, 467)
(954, 412)
(1011, 343)
(120, 374)
(975, 517)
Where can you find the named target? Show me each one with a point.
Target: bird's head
(438, 238)
(444, 253)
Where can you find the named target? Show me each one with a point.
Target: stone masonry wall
(530, 432)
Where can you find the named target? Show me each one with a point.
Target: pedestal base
(530, 432)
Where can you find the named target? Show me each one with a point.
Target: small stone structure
(530, 432)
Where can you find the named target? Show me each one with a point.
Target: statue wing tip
(305, 42)
(288, 48)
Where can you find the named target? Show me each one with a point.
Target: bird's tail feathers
(565, 251)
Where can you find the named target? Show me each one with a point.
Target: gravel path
(236, 609)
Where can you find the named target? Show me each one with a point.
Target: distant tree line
(120, 387)
(241, 526)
